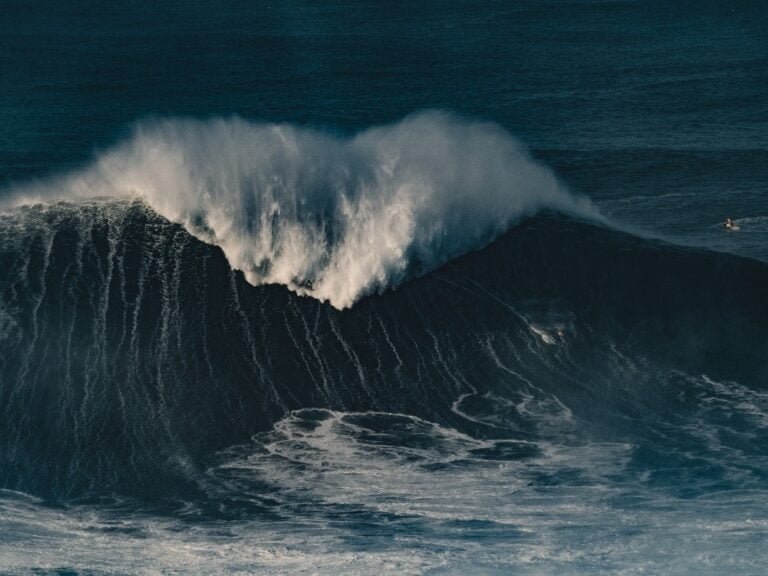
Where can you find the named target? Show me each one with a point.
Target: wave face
(329, 217)
(132, 352)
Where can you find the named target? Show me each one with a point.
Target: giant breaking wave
(330, 217)
(133, 357)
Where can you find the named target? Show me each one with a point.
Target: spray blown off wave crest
(333, 218)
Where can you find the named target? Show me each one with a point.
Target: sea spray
(331, 217)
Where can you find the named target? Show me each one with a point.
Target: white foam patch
(330, 217)
(407, 466)
(376, 493)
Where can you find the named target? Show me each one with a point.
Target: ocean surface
(383, 288)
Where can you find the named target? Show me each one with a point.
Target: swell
(331, 217)
(132, 352)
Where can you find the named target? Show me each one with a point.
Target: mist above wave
(332, 217)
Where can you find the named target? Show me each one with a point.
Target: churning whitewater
(328, 216)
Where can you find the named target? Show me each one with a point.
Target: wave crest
(331, 217)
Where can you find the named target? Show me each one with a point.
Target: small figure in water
(729, 225)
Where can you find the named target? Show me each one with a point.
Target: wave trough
(331, 217)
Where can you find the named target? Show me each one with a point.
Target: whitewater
(328, 216)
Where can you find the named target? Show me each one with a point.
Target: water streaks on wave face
(332, 217)
(123, 335)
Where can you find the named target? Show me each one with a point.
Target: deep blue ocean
(383, 287)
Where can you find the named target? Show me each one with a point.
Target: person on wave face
(730, 225)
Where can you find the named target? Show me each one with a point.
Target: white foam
(330, 217)
(379, 493)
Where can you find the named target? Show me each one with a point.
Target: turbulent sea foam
(331, 217)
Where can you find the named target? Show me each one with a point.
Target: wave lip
(330, 217)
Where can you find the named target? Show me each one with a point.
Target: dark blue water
(383, 288)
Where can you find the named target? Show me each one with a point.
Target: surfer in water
(729, 224)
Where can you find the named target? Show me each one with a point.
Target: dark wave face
(132, 354)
